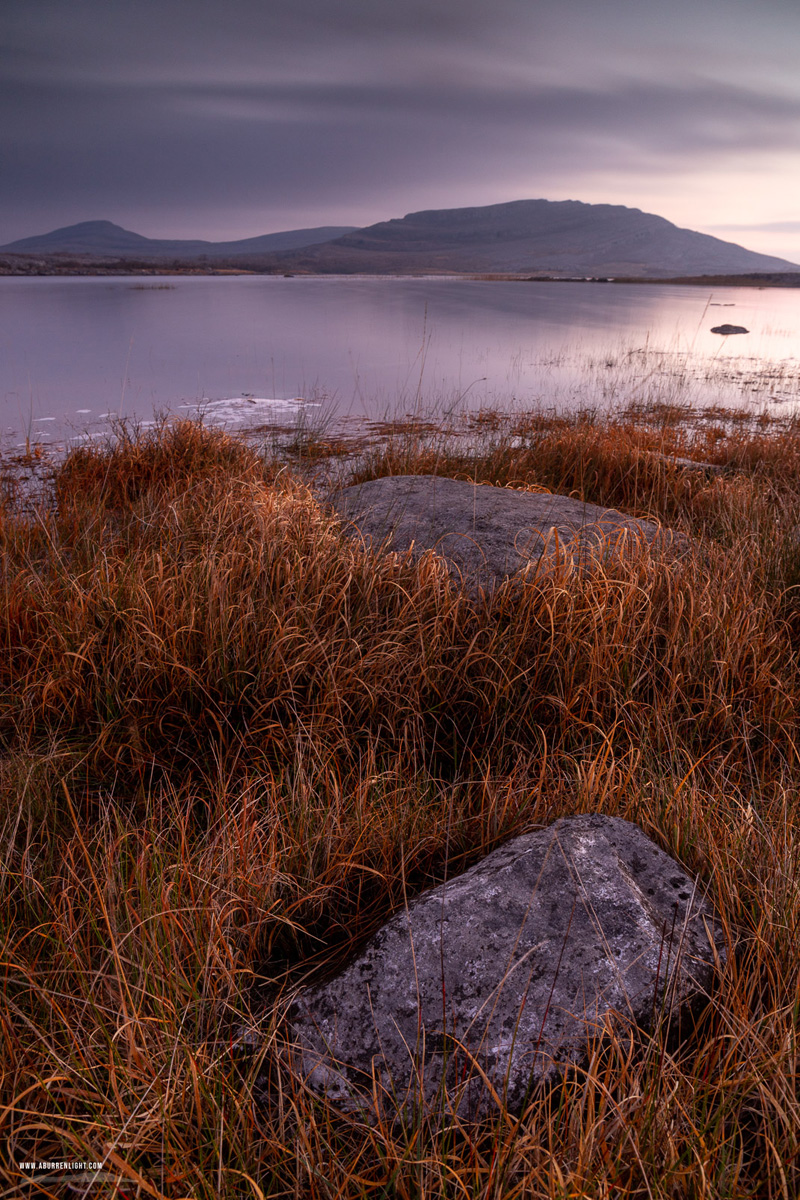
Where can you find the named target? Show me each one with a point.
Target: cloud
(194, 128)
(764, 227)
(309, 111)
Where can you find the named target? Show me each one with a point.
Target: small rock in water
(726, 330)
(508, 970)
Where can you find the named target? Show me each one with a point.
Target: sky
(223, 119)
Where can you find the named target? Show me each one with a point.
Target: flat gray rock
(688, 464)
(485, 533)
(508, 968)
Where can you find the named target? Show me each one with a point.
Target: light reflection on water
(253, 350)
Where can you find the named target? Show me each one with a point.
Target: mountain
(525, 237)
(533, 236)
(102, 238)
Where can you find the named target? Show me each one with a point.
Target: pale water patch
(239, 410)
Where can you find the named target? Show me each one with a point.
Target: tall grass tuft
(232, 741)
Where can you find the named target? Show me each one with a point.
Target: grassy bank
(232, 741)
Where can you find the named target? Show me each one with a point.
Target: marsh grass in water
(233, 741)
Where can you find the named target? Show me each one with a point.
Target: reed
(232, 740)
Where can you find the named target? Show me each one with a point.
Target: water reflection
(254, 350)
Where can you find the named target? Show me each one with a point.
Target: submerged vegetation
(233, 741)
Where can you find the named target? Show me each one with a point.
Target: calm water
(250, 350)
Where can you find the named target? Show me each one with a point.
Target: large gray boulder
(485, 533)
(508, 969)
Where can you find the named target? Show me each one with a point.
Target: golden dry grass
(232, 740)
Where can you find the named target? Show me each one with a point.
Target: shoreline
(32, 266)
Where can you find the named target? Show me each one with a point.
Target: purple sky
(212, 119)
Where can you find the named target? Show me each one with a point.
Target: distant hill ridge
(104, 237)
(558, 237)
(555, 236)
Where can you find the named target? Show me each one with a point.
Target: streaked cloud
(223, 120)
(765, 227)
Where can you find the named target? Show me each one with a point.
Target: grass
(231, 741)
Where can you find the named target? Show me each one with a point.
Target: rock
(508, 969)
(485, 533)
(726, 330)
(688, 464)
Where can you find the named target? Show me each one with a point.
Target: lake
(250, 350)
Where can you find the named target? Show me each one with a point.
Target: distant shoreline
(32, 266)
